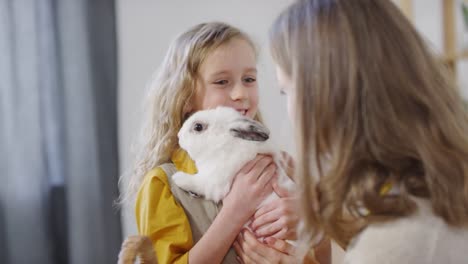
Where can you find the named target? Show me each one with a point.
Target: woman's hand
(252, 184)
(278, 219)
(250, 250)
(287, 163)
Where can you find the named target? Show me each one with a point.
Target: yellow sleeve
(162, 219)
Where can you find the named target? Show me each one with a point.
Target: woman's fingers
(239, 252)
(253, 251)
(249, 246)
(284, 234)
(271, 229)
(280, 245)
(287, 164)
(277, 218)
(265, 218)
(252, 187)
(239, 245)
(280, 191)
(266, 209)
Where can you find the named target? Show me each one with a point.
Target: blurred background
(73, 76)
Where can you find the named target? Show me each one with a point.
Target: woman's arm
(279, 218)
(275, 251)
(250, 250)
(250, 187)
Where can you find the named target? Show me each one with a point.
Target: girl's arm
(250, 187)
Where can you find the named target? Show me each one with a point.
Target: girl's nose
(239, 92)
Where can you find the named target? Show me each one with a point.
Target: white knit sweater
(421, 238)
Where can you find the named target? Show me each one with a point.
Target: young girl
(382, 134)
(210, 65)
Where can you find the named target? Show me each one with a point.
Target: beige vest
(200, 212)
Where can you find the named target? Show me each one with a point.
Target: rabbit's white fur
(227, 141)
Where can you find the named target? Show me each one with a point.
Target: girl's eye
(221, 82)
(282, 92)
(250, 80)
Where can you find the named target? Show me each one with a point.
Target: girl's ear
(188, 108)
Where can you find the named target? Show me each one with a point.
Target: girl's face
(286, 88)
(228, 77)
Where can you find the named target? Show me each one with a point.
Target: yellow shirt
(160, 217)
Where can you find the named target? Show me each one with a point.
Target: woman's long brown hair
(373, 106)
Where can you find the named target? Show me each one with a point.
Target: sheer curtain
(58, 132)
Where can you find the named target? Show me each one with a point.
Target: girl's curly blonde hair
(170, 94)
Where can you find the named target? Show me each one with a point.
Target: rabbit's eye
(198, 127)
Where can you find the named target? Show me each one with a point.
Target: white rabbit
(221, 141)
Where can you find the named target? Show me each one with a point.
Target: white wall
(145, 29)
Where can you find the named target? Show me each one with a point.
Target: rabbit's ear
(248, 129)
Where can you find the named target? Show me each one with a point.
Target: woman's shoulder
(421, 237)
